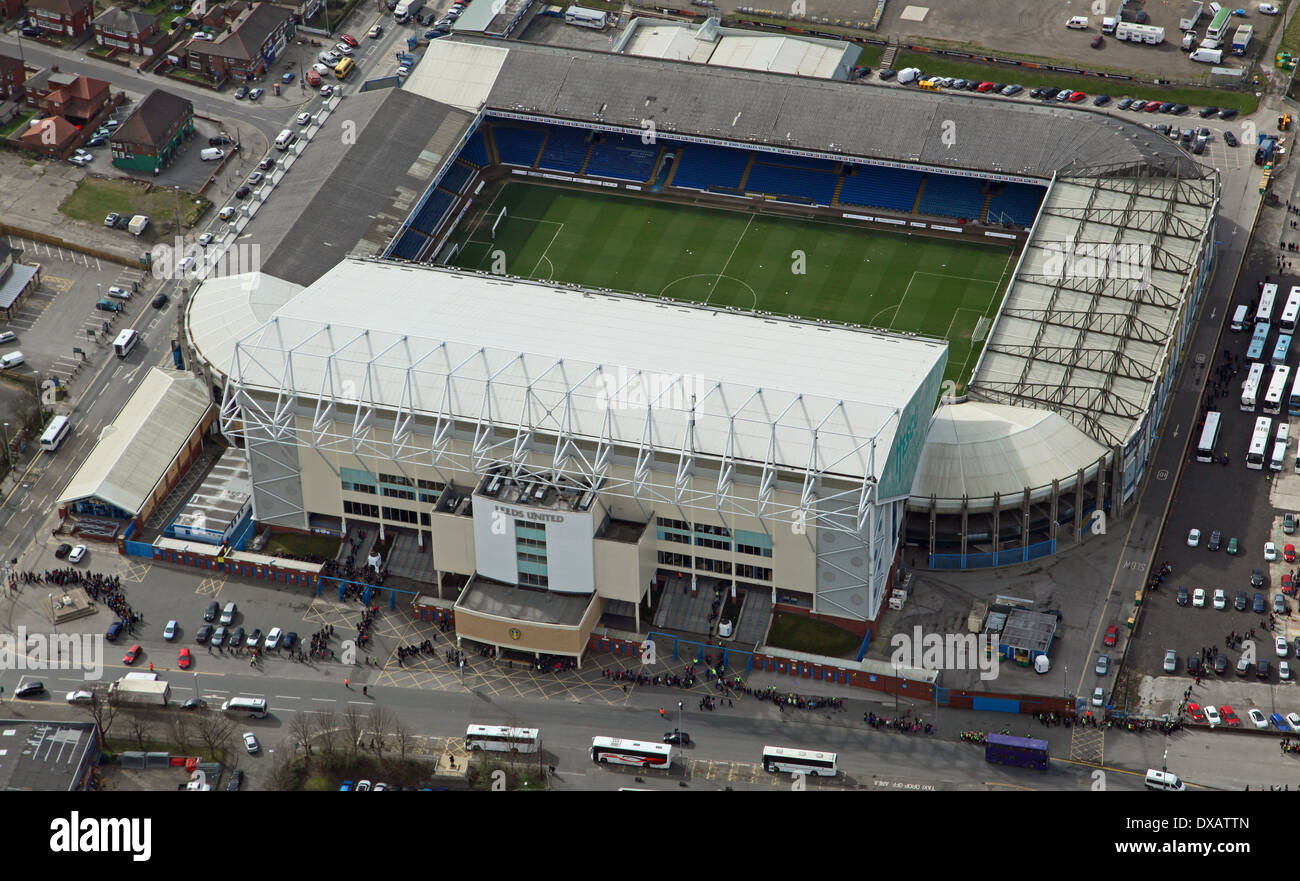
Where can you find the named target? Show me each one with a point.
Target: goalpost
(496, 223)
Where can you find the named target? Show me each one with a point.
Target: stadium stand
(877, 187)
(516, 145)
(409, 245)
(805, 183)
(566, 149)
(764, 158)
(623, 157)
(1017, 203)
(700, 166)
(434, 210)
(948, 196)
(475, 150)
(456, 176)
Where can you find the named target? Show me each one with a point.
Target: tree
(139, 727)
(405, 739)
(102, 711)
(327, 725)
(215, 731)
(301, 728)
(381, 723)
(353, 725)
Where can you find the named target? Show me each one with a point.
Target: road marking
(287, 697)
(328, 700)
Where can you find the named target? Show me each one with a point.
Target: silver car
(1171, 661)
(1103, 665)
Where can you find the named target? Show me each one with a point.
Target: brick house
(66, 17)
(124, 29)
(152, 135)
(301, 10)
(53, 136)
(79, 99)
(256, 39)
(12, 77)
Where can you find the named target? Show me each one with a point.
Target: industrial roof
(976, 449)
(559, 359)
(133, 453)
(1089, 335)
(943, 130)
(709, 43)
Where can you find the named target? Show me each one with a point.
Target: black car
(122, 222)
(289, 641)
(194, 703)
(888, 73)
(236, 781)
(1215, 542)
(1163, 128)
(62, 551)
(1240, 602)
(1101, 100)
(241, 93)
(159, 301)
(1182, 596)
(1258, 605)
(210, 613)
(1220, 663)
(1179, 109)
(267, 163)
(1049, 93)
(677, 737)
(30, 689)
(1193, 664)
(1036, 92)
(1257, 579)
(1166, 107)
(1230, 139)
(1227, 113)
(1124, 103)
(1263, 668)
(31, 32)
(242, 192)
(1207, 112)
(203, 633)
(219, 141)
(236, 637)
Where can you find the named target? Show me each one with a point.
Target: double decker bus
(616, 751)
(1020, 752)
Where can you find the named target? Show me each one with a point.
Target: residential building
(257, 38)
(53, 136)
(12, 77)
(127, 30)
(152, 135)
(79, 99)
(62, 17)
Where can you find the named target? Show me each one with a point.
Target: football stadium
(637, 328)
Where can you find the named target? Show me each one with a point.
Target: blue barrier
(990, 559)
(996, 705)
(138, 549)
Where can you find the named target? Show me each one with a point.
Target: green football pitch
(794, 266)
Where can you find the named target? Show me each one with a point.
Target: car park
(1212, 717)
(1220, 599)
(1216, 537)
(1257, 718)
(1198, 597)
(132, 655)
(1112, 636)
(255, 94)
(1171, 661)
(251, 744)
(169, 632)
(1194, 538)
(30, 689)
(77, 554)
(1103, 665)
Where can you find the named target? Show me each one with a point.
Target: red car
(1194, 710)
(185, 659)
(350, 40)
(1228, 716)
(1112, 635)
(131, 655)
(985, 87)
(1152, 106)
(313, 78)
(1288, 553)
(1076, 97)
(1098, 41)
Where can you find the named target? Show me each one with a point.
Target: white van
(908, 74)
(1078, 23)
(1239, 319)
(1208, 56)
(1164, 781)
(8, 337)
(13, 359)
(284, 139)
(211, 154)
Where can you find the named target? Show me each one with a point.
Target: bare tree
(353, 724)
(327, 730)
(102, 711)
(302, 727)
(405, 739)
(381, 723)
(215, 731)
(282, 777)
(139, 727)
(182, 729)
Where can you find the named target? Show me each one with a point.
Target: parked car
(1124, 103)
(1257, 577)
(1098, 697)
(327, 90)
(1171, 661)
(97, 141)
(236, 780)
(267, 163)
(1258, 606)
(242, 192)
(1240, 602)
(251, 744)
(1229, 717)
(1212, 716)
(287, 78)
(1227, 113)
(227, 213)
(62, 551)
(1288, 553)
(241, 93)
(1194, 710)
(254, 638)
(254, 179)
(1279, 604)
(108, 306)
(219, 636)
(169, 632)
(30, 689)
(343, 49)
(1257, 718)
(1194, 538)
(1112, 636)
(1233, 546)
(203, 634)
(255, 94)
(1230, 139)
(1207, 112)
(1198, 598)
(114, 631)
(1103, 665)
(1263, 669)
(376, 31)
(1179, 109)
(80, 697)
(1097, 41)
(350, 40)
(1220, 663)
(1101, 100)
(1181, 599)
(1220, 599)
(77, 554)
(303, 118)
(1193, 664)
(1216, 537)
(206, 239)
(289, 641)
(313, 78)
(184, 659)
(1013, 89)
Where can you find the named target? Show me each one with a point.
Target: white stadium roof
(133, 453)
(525, 355)
(455, 73)
(708, 43)
(977, 449)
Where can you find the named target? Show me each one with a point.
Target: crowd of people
(903, 723)
(106, 589)
(363, 627)
(320, 643)
(1290, 746)
(1159, 578)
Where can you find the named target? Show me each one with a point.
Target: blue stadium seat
(517, 146)
(948, 196)
(877, 187)
(434, 211)
(794, 161)
(773, 180)
(409, 245)
(700, 166)
(456, 177)
(1017, 203)
(566, 149)
(623, 157)
(475, 149)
